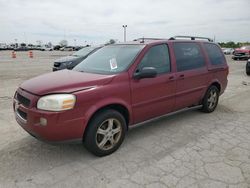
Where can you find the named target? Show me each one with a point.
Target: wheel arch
(121, 108)
(216, 84)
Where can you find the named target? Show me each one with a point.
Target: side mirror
(146, 72)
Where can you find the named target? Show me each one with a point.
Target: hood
(241, 50)
(64, 81)
(67, 59)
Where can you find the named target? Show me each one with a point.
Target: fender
(106, 102)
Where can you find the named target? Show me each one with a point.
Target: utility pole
(124, 31)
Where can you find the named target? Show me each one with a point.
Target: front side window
(157, 57)
(188, 56)
(110, 59)
(215, 55)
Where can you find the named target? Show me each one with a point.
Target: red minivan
(119, 86)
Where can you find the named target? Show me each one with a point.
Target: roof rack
(148, 39)
(143, 39)
(191, 37)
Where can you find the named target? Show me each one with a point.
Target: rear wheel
(210, 99)
(105, 133)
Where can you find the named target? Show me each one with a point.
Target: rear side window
(214, 53)
(157, 57)
(188, 56)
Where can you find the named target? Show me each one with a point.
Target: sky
(96, 21)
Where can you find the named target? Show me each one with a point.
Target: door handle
(171, 78)
(182, 76)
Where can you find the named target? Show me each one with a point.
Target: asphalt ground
(189, 149)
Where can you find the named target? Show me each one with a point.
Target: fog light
(43, 121)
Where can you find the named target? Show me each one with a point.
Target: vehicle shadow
(149, 142)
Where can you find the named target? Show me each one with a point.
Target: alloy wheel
(108, 134)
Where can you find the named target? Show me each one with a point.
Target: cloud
(97, 21)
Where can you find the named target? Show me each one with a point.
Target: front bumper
(246, 56)
(56, 69)
(60, 127)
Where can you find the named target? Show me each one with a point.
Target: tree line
(232, 44)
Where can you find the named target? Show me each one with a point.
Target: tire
(247, 70)
(210, 100)
(105, 133)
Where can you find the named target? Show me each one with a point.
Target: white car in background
(3, 46)
(228, 51)
(46, 48)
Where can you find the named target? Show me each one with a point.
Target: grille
(240, 54)
(22, 114)
(23, 100)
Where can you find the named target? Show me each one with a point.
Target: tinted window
(188, 56)
(214, 53)
(157, 57)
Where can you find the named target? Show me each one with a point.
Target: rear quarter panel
(217, 73)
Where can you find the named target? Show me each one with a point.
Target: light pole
(124, 28)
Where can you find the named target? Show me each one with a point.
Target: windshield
(83, 51)
(110, 59)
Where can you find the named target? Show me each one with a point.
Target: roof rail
(191, 37)
(142, 39)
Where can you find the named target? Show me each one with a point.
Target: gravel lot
(190, 149)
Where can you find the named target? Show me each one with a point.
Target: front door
(152, 97)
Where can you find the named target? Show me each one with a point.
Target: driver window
(157, 57)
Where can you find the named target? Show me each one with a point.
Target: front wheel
(105, 133)
(210, 100)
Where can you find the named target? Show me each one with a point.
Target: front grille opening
(240, 54)
(23, 100)
(22, 114)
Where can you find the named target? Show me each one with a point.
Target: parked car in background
(248, 67)
(119, 86)
(31, 46)
(71, 61)
(3, 46)
(228, 51)
(11, 46)
(46, 48)
(241, 53)
(76, 48)
(56, 47)
(21, 48)
(67, 48)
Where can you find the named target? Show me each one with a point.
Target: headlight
(57, 102)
